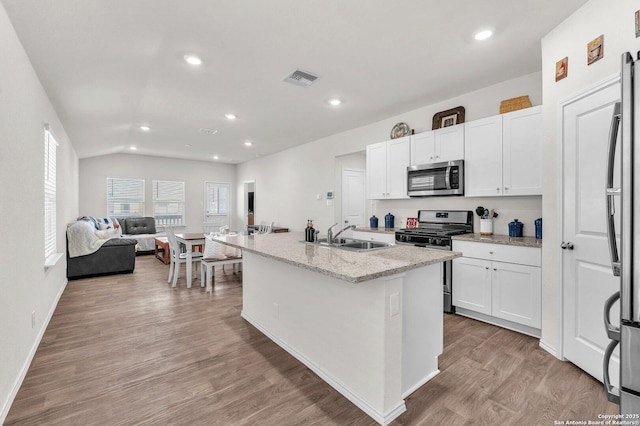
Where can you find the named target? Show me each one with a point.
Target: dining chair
(216, 254)
(177, 258)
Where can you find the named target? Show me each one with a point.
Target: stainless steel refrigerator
(625, 259)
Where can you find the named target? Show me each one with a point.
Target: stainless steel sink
(352, 245)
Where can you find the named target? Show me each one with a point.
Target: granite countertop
(500, 239)
(346, 265)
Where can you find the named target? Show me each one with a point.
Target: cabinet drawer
(499, 252)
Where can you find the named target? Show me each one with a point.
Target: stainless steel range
(434, 231)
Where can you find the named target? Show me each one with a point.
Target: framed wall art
(595, 49)
(562, 68)
(447, 118)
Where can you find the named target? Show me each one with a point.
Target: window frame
(182, 202)
(50, 193)
(122, 200)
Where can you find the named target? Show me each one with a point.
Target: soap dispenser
(309, 232)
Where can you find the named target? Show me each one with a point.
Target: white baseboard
(27, 363)
(549, 349)
(382, 418)
(418, 385)
(509, 325)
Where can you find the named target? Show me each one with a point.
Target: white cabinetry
(446, 144)
(503, 154)
(387, 164)
(501, 282)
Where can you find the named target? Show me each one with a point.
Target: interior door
(586, 270)
(353, 197)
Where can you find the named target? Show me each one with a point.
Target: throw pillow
(213, 250)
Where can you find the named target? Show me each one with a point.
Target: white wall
(287, 182)
(95, 170)
(616, 20)
(25, 285)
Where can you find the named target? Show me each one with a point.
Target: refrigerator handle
(611, 192)
(613, 393)
(613, 332)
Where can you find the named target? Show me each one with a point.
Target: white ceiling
(110, 66)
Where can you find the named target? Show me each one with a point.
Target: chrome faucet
(344, 229)
(330, 233)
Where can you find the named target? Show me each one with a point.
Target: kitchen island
(368, 323)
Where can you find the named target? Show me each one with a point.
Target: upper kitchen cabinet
(446, 144)
(522, 152)
(503, 154)
(387, 164)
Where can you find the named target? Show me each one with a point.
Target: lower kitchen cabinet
(502, 283)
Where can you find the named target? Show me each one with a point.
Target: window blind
(125, 197)
(169, 202)
(50, 146)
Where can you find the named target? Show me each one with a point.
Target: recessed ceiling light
(188, 145)
(215, 157)
(248, 143)
(192, 60)
(145, 128)
(335, 102)
(132, 148)
(230, 116)
(483, 35)
(208, 131)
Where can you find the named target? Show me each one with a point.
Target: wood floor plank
(129, 349)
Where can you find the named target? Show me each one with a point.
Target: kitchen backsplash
(525, 209)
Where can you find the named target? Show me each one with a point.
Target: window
(168, 202)
(50, 146)
(125, 197)
(216, 205)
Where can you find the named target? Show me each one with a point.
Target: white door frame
(614, 79)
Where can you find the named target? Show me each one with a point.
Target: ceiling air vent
(300, 78)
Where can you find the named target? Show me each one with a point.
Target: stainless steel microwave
(436, 179)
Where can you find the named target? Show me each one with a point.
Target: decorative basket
(514, 104)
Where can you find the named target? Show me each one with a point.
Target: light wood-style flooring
(129, 349)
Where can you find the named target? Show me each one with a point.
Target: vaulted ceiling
(111, 66)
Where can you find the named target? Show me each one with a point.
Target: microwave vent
(300, 78)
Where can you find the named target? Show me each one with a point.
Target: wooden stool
(162, 243)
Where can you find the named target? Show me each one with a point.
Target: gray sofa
(143, 229)
(116, 256)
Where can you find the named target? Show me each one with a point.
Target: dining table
(190, 240)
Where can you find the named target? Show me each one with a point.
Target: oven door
(435, 179)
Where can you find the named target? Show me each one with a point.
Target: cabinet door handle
(486, 267)
(506, 189)
(497, 189)
(490, 252)
(495, 269)
(567, 246)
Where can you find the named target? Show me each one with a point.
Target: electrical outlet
(33, 319)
